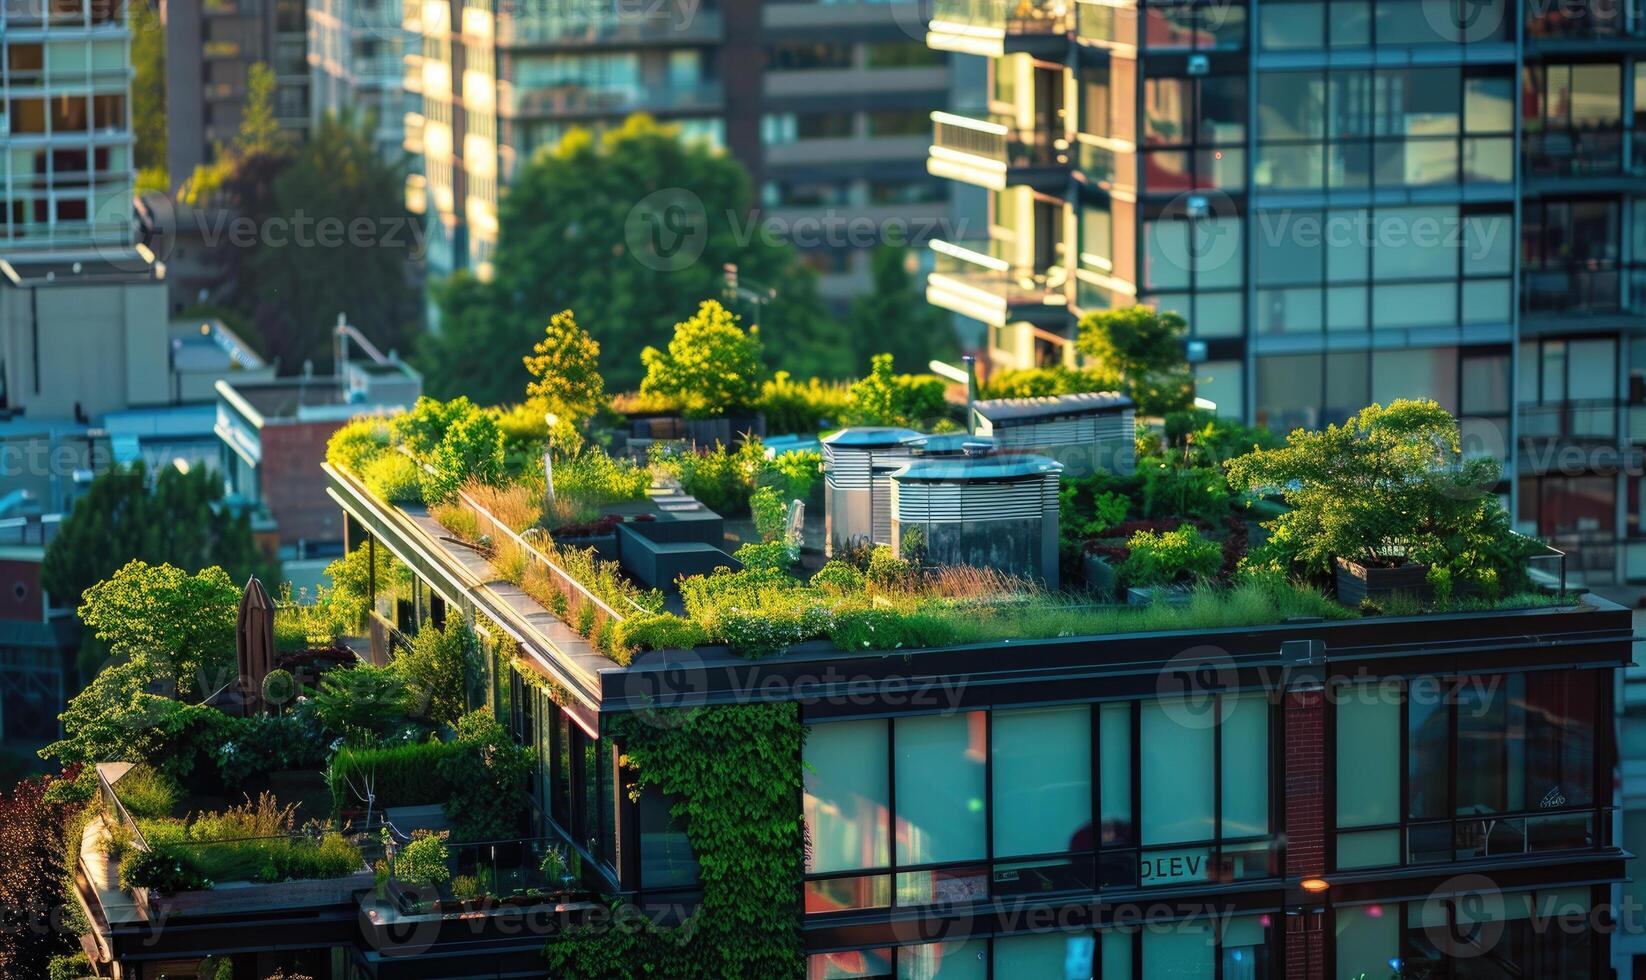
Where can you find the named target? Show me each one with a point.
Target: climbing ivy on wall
(735, 775)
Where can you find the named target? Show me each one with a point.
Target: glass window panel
(843, 894)
(1488, 244)
(1348, 381)
(1219, 382)
(1428, 372)
(944, 961)
(855, 964)
(1222, 112)
(1288, 245)
(1349, 103)
(1117, 954)
(666, 858)
(1415, 243)
(1042, 780)
(1428, 740)
(1289, 167)
(1368, 755)
(1287, 26)
(1592, 367)
(1426, 305)
(1490, 161)
(1219, 253)
(1291, 105)
(1597, 92)
(1368, 940)
(1486, 385)
(1368, 849)
(940, 794)
(1346, 308)
(1115, 772)
(1348, 240)
(1166, 262)
(1488, 104)
(1289, 310)
(847, 796)
(1350, 23)
(1245, 952)
(1176, 760)
(1289, 391)
(1487, 300)
(1219, 315)
(1246, 766)
(1049, 955)
(1167, 108)
(1183, 952)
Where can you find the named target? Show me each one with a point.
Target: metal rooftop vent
(1086, 432)
(857, 466)
(995, 512)
(952, 444)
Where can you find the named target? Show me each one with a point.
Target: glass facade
(1442, 769)
(947, 809)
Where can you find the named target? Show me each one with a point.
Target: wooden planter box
(250, 896)
(1357, 582)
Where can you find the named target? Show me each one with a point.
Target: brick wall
(293, 487)
(20, 591)
(1305, 825)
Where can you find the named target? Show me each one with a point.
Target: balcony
(1587, 288)
(993, 152)
(573, 100)
(1585, 421)
(992, 28)
(973, 278)
(1572, 153)
(607, 26)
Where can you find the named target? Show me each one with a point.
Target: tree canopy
(565, 370)
(711, 365)
(1141, 350)
(894, 318)
(630, 228)
(181, 522)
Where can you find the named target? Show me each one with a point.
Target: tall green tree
(894, 317)
(565, 370)
(1142, 350)
(632, 229)
(148, 96)
(181, 522)
(259, 128)
(335, 238)
(711, 365)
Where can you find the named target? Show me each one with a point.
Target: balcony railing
(1591, 288)
(1588, 420)
(666, 23)
(997, 138)
(981, 265)
(1573, 153)
(579, 100)
(1010, 16)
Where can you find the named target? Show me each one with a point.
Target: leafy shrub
(587, 481)
(769, 512)
(890, 629)
(437, 670)
(1040, 382)
(409, 774)
(887, 569)
(887, 398)
(773, 555)
(1184, 491)
(362, 701)
(357, 443)
(147, 793)
(74, 967)
(1164, 559)
(253, 747)
(163, 870)
(659, 631)
(711, 365)
(466, 888)
(424, 428)
(793, 474)
(488, 778)
(395, 478)
(792, 407)
(471, 450)
(423, 861)
(838, 578)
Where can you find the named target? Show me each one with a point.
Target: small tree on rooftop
(1143, 350)
(885, 397)
(565, 369)
(711, 365)
(1390, 484)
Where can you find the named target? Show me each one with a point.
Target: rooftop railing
(1010, 16)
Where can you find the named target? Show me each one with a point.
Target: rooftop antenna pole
(971, 392)
(342, 350)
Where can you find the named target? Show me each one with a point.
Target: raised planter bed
(249, 896)
(1357, 583)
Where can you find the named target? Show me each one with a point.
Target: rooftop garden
(1220, 525)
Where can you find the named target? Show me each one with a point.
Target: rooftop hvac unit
(996, 512)
(857, 467)
(952, 444)
(1085, 432)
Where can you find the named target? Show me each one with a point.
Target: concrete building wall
(84, 349)
(291, 484)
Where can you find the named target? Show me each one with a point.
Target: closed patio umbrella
(254, 643)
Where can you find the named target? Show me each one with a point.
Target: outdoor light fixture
(1314, 884)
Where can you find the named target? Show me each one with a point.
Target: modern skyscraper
(356, 52)
(66, 170)
(210, 50)
(1349, 203)
(820, 102)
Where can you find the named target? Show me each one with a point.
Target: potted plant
(1375, 502)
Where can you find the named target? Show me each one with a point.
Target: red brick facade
(1305, 825)
(20, 591)
(291, 483)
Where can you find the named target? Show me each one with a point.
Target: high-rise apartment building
(210, 50)
(825, 104)
(66, 169)
(1349, 202)
(356, 52)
